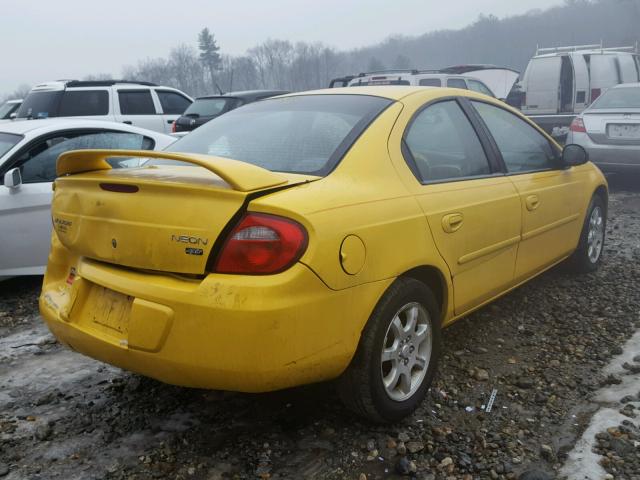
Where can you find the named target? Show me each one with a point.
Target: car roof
(245, 94)
(392, 92)
(22, 127)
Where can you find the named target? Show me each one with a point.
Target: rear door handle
(532, 202)
(128, 122)
(452, 222)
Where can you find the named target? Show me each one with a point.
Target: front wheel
(588, 255)
(397, 356)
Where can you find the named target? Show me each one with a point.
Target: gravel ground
(543, 348)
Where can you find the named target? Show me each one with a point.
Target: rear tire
(588, 255)
(397, 356)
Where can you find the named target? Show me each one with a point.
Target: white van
(565, 80)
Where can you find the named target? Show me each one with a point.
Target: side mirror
(574, 155)
(13, 178)
(13, 116)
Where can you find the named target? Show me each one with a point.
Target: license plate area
(624, 131)
(107, 312)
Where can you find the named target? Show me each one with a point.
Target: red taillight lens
(577, 125)
(173, 126)
(262, 244)
(595, 93)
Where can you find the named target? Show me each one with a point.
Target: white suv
(142, 104)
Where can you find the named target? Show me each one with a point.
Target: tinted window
(84, 103)
(306, 133)
(456, 83)
(628, 97)
(209, 107)
(39, 163)
(523, 148)
(479, 87)
(172, 102)
(444, 145)
(430, 82)
(136, 102)
(8, 141)
(40, 105)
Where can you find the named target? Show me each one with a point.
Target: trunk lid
(162, 218)
(613, 126)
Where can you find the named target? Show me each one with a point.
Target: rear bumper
(226, 332)
(609, 157)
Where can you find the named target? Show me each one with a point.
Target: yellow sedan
(316, 236)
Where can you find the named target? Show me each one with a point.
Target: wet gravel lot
(542, 348)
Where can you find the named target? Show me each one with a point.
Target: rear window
(209, 107)
(628, 97)
(40, 105)
(84, 103)
(136, 102)
(8, 141)
(300, 134)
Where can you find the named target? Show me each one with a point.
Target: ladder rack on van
(576, 48)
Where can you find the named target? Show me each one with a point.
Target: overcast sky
(43, 40)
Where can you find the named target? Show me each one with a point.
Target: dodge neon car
(321, 235)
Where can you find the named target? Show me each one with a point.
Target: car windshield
(6, 109)
(8, 141)
(40, 105)
(209, 107)
(627, 97)
(299, 134)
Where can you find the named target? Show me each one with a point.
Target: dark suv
(207, 108)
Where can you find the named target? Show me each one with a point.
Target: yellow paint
(368, 222)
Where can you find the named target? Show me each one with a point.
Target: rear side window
(430, 82)
(136, 102)
(39, 162)
(304, 133)
(173, 103)
(456, 83)
(443, 144)
(84, 103)
(523, 148)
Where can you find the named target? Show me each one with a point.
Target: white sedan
(28, 154)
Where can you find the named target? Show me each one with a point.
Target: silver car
(28, 154)
(610, 129)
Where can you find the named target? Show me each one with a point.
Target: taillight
(577, 125)
(595, 93)
(173, 126)
(262, 244)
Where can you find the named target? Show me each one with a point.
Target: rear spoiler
(241, 176)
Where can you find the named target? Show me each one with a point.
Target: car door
(550, 195)
(472, 209)
(135, 106)
(24, 210)
(173, 105)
